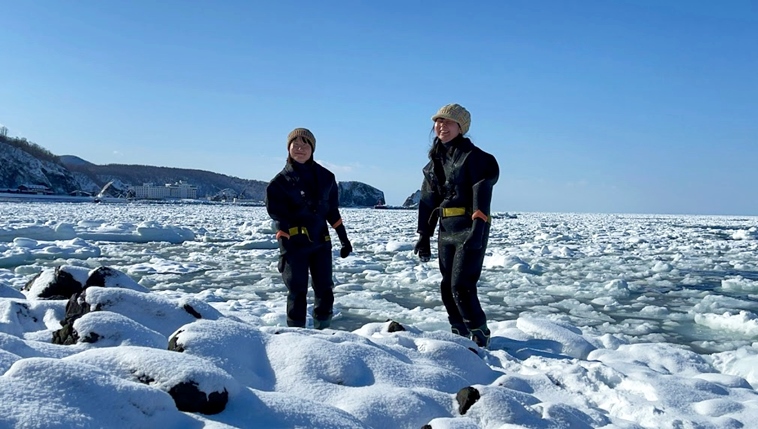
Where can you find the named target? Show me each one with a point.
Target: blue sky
(589, 106)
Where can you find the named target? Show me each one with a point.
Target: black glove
(475, 238)
(423, 248)
(347, 248)
(283, 242)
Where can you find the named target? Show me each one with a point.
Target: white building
(178, 190)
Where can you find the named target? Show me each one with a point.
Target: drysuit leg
(295, 277)
(465, 268)
(321, 275)
(446, 249)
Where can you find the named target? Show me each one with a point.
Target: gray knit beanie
(457, 113)
(305, 133)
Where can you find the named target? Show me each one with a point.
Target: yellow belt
(295, 230)
(457, 211)
(453, 211)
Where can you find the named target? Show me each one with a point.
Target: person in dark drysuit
(457, 192)
(301, 200)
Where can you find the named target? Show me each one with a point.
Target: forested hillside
(26, 163)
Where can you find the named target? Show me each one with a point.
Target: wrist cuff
(480, 215)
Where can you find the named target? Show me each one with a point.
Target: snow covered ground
(628, 321)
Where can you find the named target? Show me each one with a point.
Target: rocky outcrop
(413, 200)
(466, 397)
(63, 281)
(357, 194)
(22, 168)
(111, 312)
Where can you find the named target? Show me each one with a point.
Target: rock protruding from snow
(413, 200)
(357, 194)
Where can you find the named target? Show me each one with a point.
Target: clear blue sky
(589, 106)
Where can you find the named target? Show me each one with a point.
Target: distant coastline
(16, 197)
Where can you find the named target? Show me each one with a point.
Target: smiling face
(300, 150)
(446, 129)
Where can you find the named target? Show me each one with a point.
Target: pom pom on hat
(457, 113)
(304, 133)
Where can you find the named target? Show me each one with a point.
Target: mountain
(71, 160)
(24, 163)
(27, 164)
(209, 185)
(413, 200)
(357, 194)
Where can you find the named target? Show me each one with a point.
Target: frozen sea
(647, 289)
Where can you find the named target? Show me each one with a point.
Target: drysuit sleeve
(333, 213)
(427, 209)
(482, 189)
(276, 205)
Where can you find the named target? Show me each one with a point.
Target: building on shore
(34, 189)
(179, 190)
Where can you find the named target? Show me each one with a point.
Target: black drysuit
(301, 199)
(458, 182)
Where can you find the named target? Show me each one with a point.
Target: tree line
(31, 148)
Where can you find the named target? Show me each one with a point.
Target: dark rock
(76, 307)
(99, 275)
(466, 397)
(173, 343)
(21, 310)
(111, 277)
(145, 379)
(357, 194)
(62, 286)
(66, 336)
(395, 327)
(28, 285)
(188, 308)
(190, 399)
(413, 200)
(91, 338)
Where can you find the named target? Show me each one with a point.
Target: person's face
(300, 150)
(446, 129)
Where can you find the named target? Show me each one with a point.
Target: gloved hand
(347, 248)
(423, 248)
(475, 238)
(283, 243)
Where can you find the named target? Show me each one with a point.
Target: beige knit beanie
(457, 113)
(304, 133)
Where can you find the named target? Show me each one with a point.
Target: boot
(481, 336)
(459, 329)
(322, 324)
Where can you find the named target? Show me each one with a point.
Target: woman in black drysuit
(303, 200)
(457, 191)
